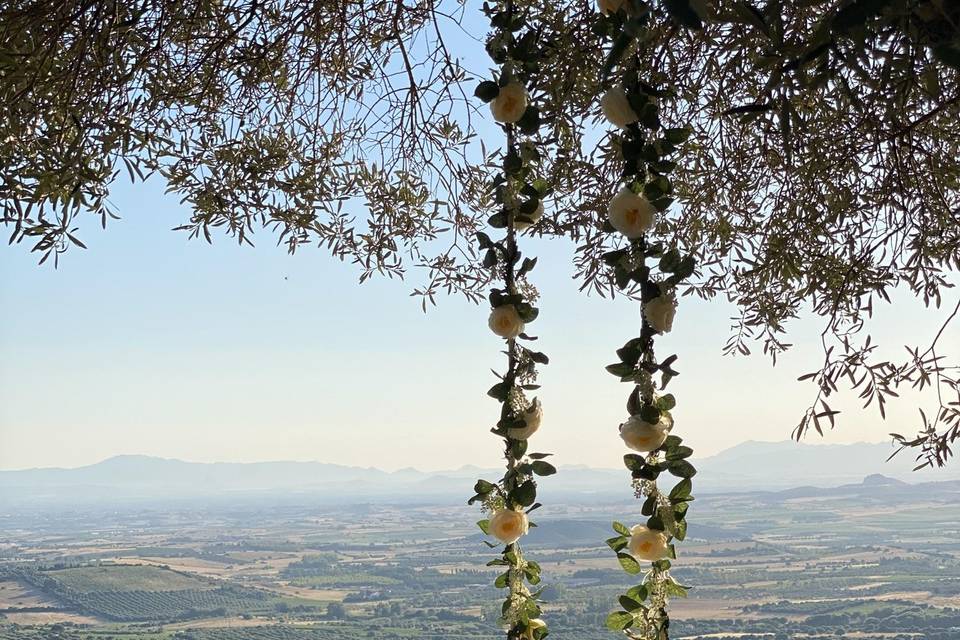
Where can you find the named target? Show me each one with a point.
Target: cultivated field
(855, 563)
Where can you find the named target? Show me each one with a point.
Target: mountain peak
(878, 479)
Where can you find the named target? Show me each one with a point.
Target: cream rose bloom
(616, 108)
(533, 625)
(521, 225)
(659, 313)
(505, 321)
(510, 103)
(630, 214)
(531, 417)
(508, 525)
(607, 7)
(642, 436)
(647, 544)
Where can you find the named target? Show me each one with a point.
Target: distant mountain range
(750, 466)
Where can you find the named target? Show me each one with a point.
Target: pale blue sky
(150, 343)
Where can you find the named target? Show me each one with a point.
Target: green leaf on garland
(617, 543)
(619, 620)
(633, 461)
(672, 442)
(682, 469)
(538, 357)
(680, 531)
(649, 506)
(484, 240)
(638, 593)
(499, 391)
(650, 414)
(542, 468)
(681, 492)
(679, 453)
(525, 494)
(672, 588)
(634, 402)
(667, 402)
(620, 369)
(620, 528)
(483, 486)
(629, 563)
(529, 122)
(533, 576)
(527, 266)
(619, 47)
(655, 522)
(611, 258)
(527, 312)
(487, 90)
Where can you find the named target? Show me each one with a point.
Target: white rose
(508, 525)
(520, 225)
(607, 7)
(659, 313)
(533, 625)
(616, 108)
(505, 321)
(630, 214)
(531, 418)
(648, 544)
(510, 103)
(642, 436)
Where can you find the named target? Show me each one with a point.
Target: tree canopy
(822, 169)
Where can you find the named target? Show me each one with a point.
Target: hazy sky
(150, 343)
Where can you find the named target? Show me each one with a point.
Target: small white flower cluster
(645, 382)
(516, 400)
(528, 374)
(527, 290)
(519, 593)
(652, 619)
(492, 502)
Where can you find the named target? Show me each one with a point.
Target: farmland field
(860, 563)
(126, 578)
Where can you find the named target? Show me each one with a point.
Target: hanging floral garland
(647, 149)
(518, 195)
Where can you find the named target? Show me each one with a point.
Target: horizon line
(408, 468)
